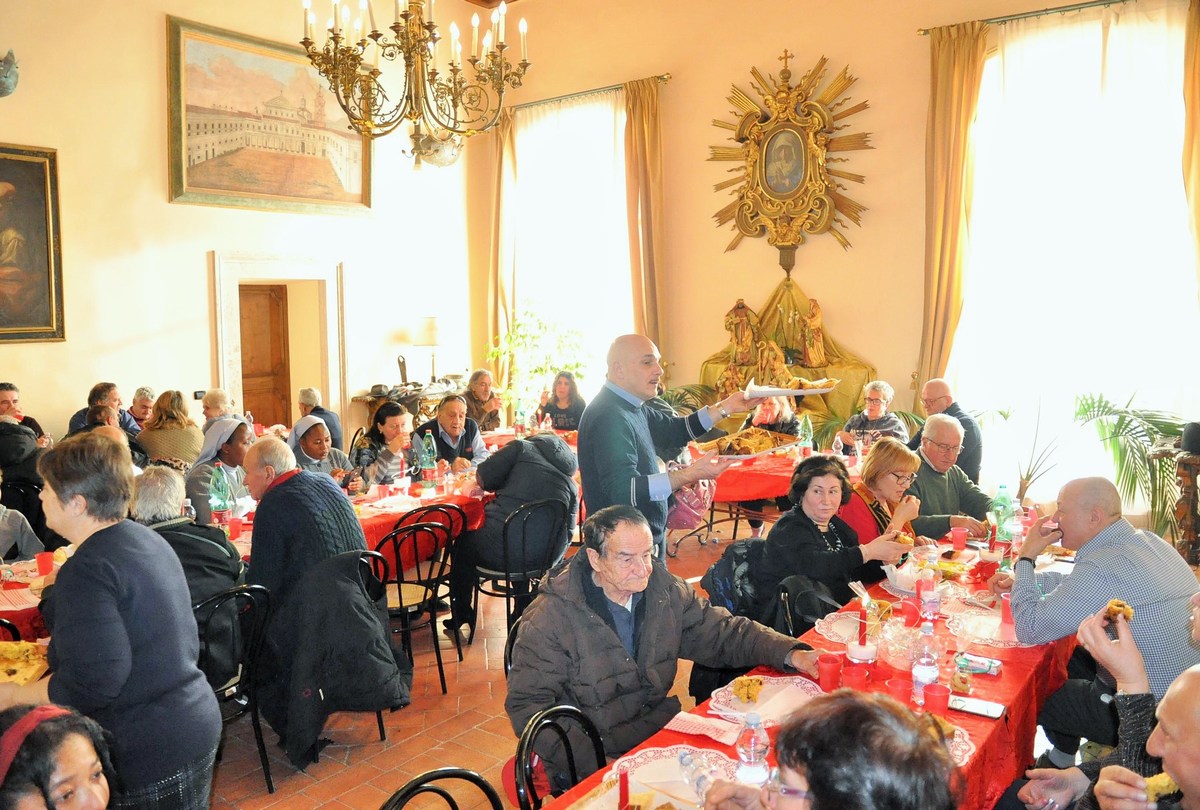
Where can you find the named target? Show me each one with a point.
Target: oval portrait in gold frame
(782, 164)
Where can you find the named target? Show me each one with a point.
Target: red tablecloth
(755, 479)
(499, 438)
(28, 621)
(1003, 746)
(376, 527)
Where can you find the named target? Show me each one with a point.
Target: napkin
(723, 731)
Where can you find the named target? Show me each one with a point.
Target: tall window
(1080, 276)
(567, 211)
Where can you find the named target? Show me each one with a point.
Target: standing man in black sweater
(617, 435)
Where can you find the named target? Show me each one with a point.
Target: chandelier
(441, 101)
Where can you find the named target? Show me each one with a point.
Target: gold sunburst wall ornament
(785, 186)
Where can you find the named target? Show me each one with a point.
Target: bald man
(1113, 560)
(617, 435)
(937, 398)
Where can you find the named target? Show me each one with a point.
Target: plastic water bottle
(752, 746)
(931, 597)
(806, 432)
(925, 663)
(547, 424)
(838, 446)
(428, 461)
(220, 500)
(249, 418)
(698, 772)
(189, 511)
(1003, 507)
(519, 424)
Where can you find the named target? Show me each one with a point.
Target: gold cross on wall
(786, 56)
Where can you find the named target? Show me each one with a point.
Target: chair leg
(437, 651)
(382, 731)
(474, 613)
(262, 749)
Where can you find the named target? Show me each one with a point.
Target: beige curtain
(501, 295)
(957, 53)
(1191, 125)
(643, 188)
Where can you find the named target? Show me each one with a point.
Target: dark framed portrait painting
(31, 294)
(253, 125)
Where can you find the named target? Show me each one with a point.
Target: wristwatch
(1029, 560)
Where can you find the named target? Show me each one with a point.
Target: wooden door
(266, 384)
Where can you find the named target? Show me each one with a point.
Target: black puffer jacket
(330, 650)
(19, 454)
(568, 652)
(523, 471)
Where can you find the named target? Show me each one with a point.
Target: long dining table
(999, 749)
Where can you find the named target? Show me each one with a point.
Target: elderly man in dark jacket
(524, 471)
(606, 633)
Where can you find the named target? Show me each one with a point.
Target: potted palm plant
(1130, 435)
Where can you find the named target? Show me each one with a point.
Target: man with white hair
(142, 406)
(948, 498)
(302, 519)
(310, 405)
(937, 397)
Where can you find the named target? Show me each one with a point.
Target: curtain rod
(662, 79)
(1040, 13)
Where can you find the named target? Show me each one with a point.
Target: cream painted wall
(305, 358)
(871, 294)
(138, 292)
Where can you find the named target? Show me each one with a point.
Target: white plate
(757, 391)
(988, 628)
(658, 768)
(780, 696)
(840, 626)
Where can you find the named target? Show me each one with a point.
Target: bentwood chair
(15, 634)
(455, 519)
(428, 782)
(543, 522)
(552, 719)
(413, 593)
(240, 641)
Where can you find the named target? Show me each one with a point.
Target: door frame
(229, 270)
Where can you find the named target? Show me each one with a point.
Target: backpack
(727, 581)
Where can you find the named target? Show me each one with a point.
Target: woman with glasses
(874, 421)
(852, 751)
(810, 539)
(877, 502)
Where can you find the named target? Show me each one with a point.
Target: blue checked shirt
(1120, 562)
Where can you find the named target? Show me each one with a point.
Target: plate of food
(22, 662)
(749, 443)
(658, 768)
(797, 387)
(773, 697)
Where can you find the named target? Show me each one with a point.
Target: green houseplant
(1130, 434)
(533, 351)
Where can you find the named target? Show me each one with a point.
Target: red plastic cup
(855, 677)
(248, 517)
(235, 528)
(1006, 616)
(958, 536)
(910, 609)
(829, 668)
(937, 698)
(900, 689)
(45, 562)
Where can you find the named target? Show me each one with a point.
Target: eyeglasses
(875, 401)
(932, 400)
(775, 786)
(904, 480)
(945, 448)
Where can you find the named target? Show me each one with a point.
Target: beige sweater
(173, 442)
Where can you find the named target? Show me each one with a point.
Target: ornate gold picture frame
(785, 188)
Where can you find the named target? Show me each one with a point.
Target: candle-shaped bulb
(487, 44)
(454, 46)
(474, 36)
(502, 11)
(523, 27)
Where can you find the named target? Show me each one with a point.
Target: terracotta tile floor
(467, 727)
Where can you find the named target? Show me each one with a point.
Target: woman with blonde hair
(877, 502)
(170, 432)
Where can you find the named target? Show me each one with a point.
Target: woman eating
(52, 757)
(852, 751)
(386, 451)
(226, 441)
(483, 405)
(124, 646)
(776, 415)
(565, 407)
(877, 503)
(313, 446)
(874, 421)
(170, 432)
(810, 539)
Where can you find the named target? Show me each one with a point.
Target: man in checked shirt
(1113, 560)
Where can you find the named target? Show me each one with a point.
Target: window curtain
(500, 278)
(1080, 274)
(957, 57)
(643, 191)
(1191, 126)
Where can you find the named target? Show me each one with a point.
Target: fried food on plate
(747, 442)
(747, 687)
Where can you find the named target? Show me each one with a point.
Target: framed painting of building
(31, 285)
(253, 125)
